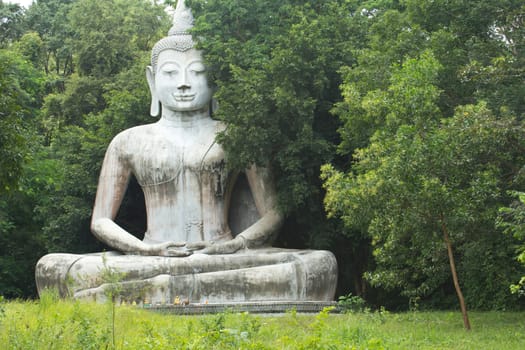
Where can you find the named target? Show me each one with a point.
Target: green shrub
(351, 303)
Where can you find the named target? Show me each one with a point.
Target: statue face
(180, 81)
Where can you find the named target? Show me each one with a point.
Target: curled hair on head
(179, 38)
(181, 42)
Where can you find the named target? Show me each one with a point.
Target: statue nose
(183, 83)
(184, 86)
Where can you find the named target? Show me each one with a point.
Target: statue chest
(161, 161)
(184, 180)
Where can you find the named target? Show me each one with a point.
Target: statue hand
(198, 245)
(227, 247)
(170, 249)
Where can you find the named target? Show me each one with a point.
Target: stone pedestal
(263, 307)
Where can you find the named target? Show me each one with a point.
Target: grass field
(54, 324)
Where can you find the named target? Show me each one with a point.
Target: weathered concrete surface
(249, 275)
(192, 200)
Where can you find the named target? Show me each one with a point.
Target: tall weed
(64, 324)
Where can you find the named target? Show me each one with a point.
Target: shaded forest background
(393, 127)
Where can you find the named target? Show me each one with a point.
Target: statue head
(177, 75)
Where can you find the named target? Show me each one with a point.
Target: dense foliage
(512, 220)
(413, 109)
(434, 147)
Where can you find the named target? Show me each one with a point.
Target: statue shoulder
(132, 135)
(126, 141)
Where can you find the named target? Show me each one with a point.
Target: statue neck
(185, 119)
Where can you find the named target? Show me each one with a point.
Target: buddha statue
(188, 251)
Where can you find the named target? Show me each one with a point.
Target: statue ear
(155, 103)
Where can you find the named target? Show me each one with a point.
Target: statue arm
(113, 182)
(263, 231)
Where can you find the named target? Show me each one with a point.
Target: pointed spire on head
(182, 19)
(179, 37)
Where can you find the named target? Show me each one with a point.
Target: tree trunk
(446, 236)
(57, 62)
(46, 64)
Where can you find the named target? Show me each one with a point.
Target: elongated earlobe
(155, 103)
(154, 109)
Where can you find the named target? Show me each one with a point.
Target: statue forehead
(181, 57)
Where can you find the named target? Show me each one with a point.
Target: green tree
(274, 65)
(275, 68)
(384, 98)
(32, 48)
(512, 220)
(49, 19)
(21, 240)
(21, 89)
(113, 35)
(425, 189)
(12, 24)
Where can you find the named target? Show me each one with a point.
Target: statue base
(262, 307)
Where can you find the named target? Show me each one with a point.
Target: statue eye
(197, 67)
(170, 69)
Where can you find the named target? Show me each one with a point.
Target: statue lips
(184, 97)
